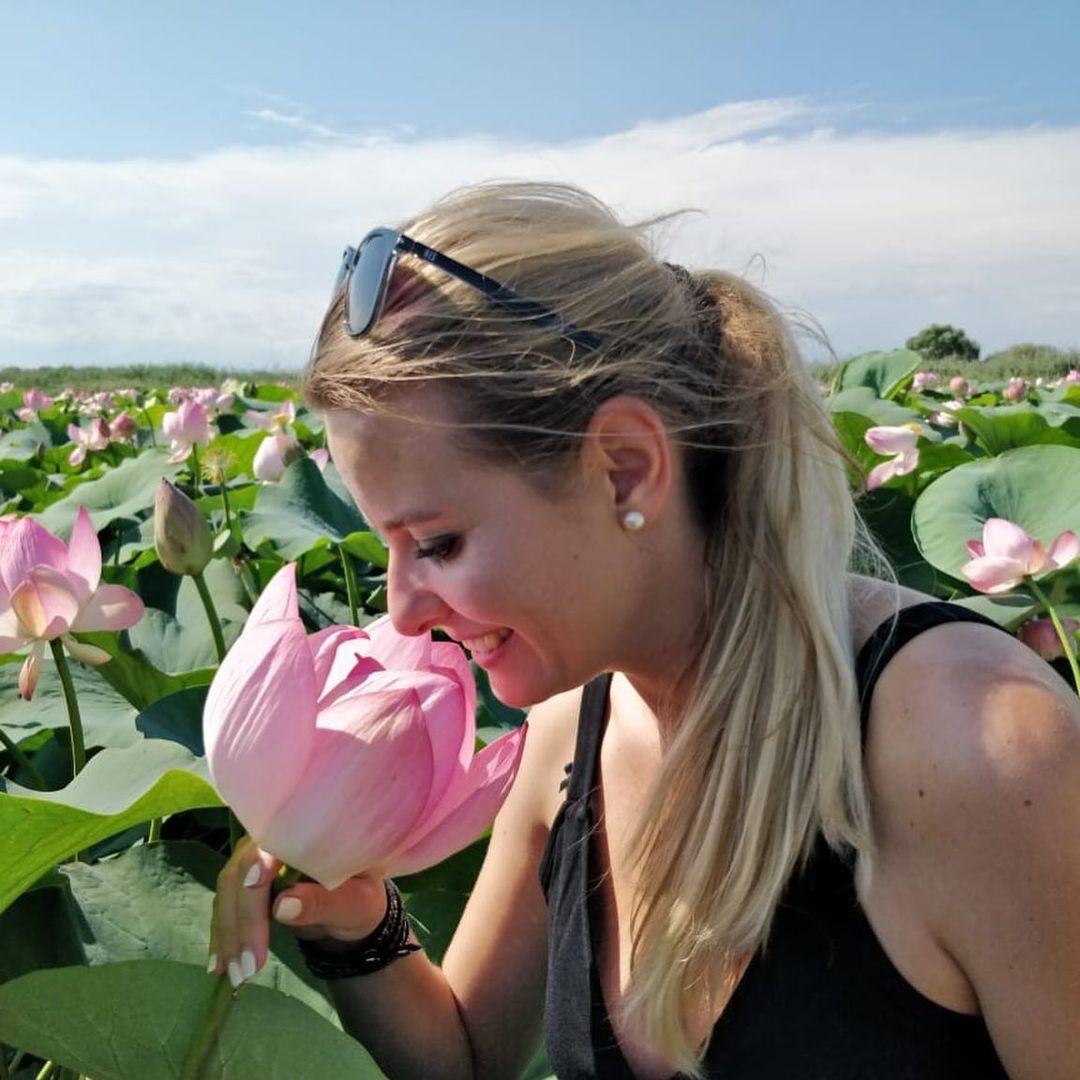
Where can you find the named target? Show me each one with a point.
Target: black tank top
(821, 1002)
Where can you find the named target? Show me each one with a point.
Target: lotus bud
(123, 427)
(182, 536)
(1040, 635)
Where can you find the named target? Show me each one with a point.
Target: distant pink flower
(901, 442)
(273, 457)
(95, 437)
(1040, 635)
(122, 427)
(959, 386)
(278, 421)
(277, 452)
(6, 387)
(1007, 554)
(1072, 376)
(50, 590)
(1015, 390)
(922, 380)
(944, 418)
(212, 399)
(34, 401)
(351, 750)
(187, 427)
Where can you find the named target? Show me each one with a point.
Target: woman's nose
(414, 607)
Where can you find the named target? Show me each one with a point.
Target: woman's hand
(240, 930)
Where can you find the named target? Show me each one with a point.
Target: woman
(586, 461)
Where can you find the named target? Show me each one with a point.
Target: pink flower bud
(1040, 635)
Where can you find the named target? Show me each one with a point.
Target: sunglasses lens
(367, 285)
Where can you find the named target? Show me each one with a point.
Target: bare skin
(972, 757)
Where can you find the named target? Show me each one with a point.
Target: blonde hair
(767, 755)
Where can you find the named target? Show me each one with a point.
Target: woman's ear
(627, 443)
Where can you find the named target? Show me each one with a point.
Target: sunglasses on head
(365, 277)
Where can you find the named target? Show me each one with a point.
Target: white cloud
(227, 258)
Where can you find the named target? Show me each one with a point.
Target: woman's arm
(480, 1014)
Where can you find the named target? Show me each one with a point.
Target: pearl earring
(633, 520)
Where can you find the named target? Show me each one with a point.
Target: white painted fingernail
(211, 964)
(251, 879)
(236, 976)
(247, 964)
(288, 909)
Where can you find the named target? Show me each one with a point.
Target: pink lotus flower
(273, 457)
(277, 452)
(1072, 376)
(187, 427)
(351, 750)
(1015, 390)
(922, 380)
(902, 442)
(1040, 635)
(122, 427)
(212, 399)
(49, 590)
(280, 421)
(6, 387)
(959, 386)
(33, 403)
(1007, 554)
(96, 437)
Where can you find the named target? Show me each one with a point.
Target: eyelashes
(443, 547)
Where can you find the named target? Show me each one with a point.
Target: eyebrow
(411, 517)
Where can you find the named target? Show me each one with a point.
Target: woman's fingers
(241, 921)
(349, 912)
(240, 928)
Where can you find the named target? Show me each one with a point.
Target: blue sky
(175, 182)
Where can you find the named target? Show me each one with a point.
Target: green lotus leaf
(124, 492)
(1036, 487)
(883, 372)
(157, 1018)
(299, 513)
(117, 789)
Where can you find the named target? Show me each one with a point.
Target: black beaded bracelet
(389, 941)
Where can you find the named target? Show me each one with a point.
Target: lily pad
(170, 1021)
(117, 789)
(1036, 487)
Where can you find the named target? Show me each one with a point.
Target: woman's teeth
(487, 643)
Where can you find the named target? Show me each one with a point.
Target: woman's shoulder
(973, 764)
(549, 747)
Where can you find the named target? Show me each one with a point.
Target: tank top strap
(592, 719)
(895, 632)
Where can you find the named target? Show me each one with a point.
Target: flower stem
(1063, 635)
(350, 586)
(211, 614)
(12, 748)
(195, 1066)
(195, 470)
(154, 833)
(225, 507)
(146, 417)
(78, 746)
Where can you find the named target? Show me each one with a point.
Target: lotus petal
(469, 807)
(45, 603)
(364, 786)
(259, 720)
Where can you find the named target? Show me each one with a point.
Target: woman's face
(532, 584)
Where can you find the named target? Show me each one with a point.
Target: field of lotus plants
(150, 542)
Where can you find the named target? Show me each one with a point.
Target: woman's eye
(440, 548)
